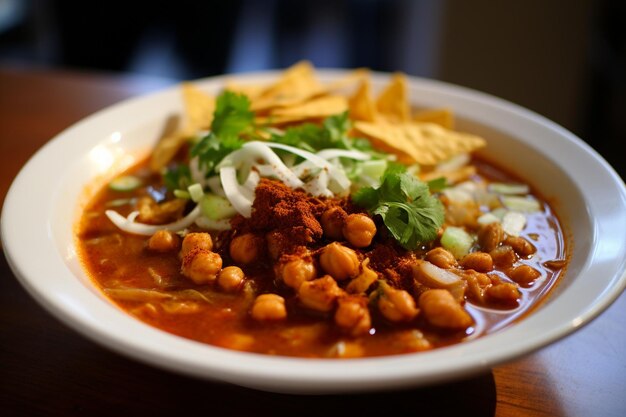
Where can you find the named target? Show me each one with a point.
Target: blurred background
(565, 59)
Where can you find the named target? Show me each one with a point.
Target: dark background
(563, 59)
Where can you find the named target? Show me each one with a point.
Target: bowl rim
(89, 314)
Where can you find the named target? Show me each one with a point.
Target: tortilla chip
(198, 115)
(199, 107)
(443, 117)
(296, 85)
(267, 121)
(452, 177)
(353, 78)
(316, 108)
(388, 138)
(423, 143)
(251, 91)
(393, 101)
(166, 149)
(362, 105)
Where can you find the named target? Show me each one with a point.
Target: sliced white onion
(488, 218)
(241, 198)
(215, 184)
(265, 170)
(252, 181)
(335, 173)
(255, 150)
(197, 175)
(457, 195)
(305, 169)
(343, 153)
(513, 223)
(454, 163)
(524, 204)
(128, 224)
(318, 185)
(340, 183)
(431, 275)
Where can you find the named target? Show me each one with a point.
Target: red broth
(154, 290)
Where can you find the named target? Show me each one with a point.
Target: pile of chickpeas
(337, 280)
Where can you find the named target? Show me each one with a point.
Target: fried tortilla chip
(166, 149)
(316, 108)
(352, 79)
(296, 85)
(393, 101)
(198, 115)
(199, 107)
(443, 117)
(252, 91)
(424, 143)
(361, 104)
(388, 138)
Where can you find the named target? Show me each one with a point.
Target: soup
(301, 233)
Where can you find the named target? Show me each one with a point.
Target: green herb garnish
(332, 133)
(177, 177)
(232, 119)
(410, 213)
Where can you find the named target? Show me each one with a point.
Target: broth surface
(117, 260)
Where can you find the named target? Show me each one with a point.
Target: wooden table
(48, 369)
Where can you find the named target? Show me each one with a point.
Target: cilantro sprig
(410, 213)
(231, 120)
(332, 133)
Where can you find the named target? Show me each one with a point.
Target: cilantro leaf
(231, 119)
(410, 213)
(177, 177)
(232, 115)
(211, 149)
(332, 133)
(437, 184)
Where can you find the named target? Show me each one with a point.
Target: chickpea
(479, 261)
(520, 245)
(504, 292)
(319, 294)
(353, 315)
(269, 307)
(477, 282)
(442, 310)
(246, 248)
(294, 272)
(339, 261)
(231, 278)
(196, 240)
(524, 274)
(332, 221)
(201, 266)
(359, 230)
(441, 257)
(396, 305)
(503, 256)
(163, 241)
(490, 236)
(364, 280)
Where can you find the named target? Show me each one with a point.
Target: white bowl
(44, 201)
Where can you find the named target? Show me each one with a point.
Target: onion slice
(128, 224)
(240, 197)
(343, 153)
